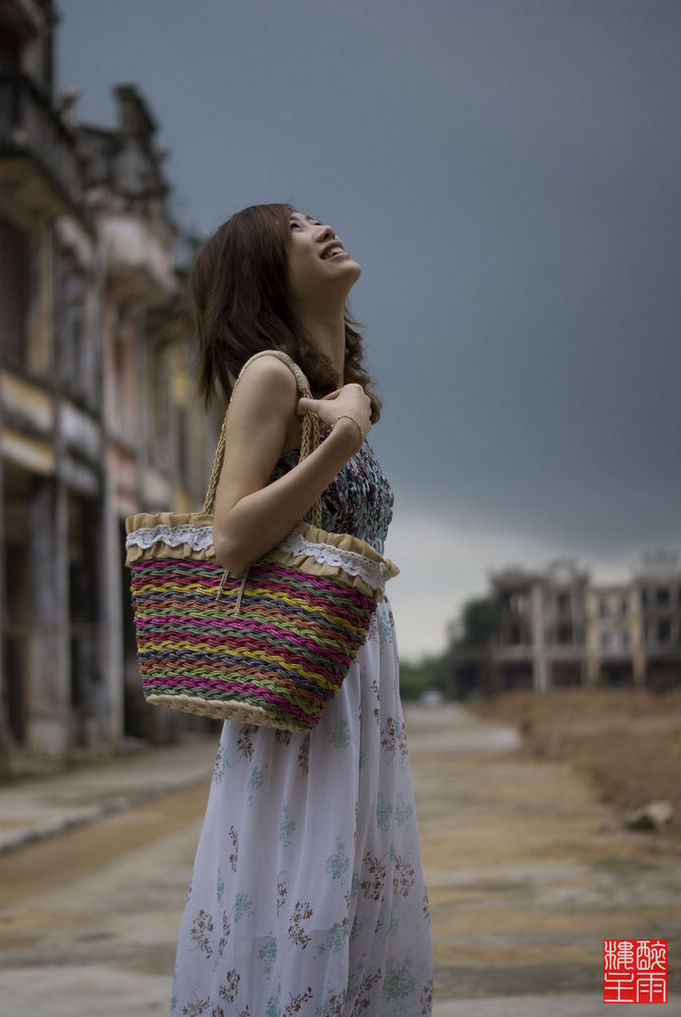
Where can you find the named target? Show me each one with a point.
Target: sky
(507, 173)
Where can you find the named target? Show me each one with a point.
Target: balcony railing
(30, 127)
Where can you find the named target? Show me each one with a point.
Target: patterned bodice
(358, 501)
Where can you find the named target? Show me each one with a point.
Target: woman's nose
(324, 232)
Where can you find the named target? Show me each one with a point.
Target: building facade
(657, 583)
(557, 628)
(97, 409)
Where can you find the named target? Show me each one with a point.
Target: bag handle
(309, 440)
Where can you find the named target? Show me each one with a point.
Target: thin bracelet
(357, 425)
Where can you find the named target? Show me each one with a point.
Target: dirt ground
(627, 742)
(528, 867)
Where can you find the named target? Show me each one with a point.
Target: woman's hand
(350, 400)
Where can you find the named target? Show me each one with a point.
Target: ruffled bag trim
(350, 560)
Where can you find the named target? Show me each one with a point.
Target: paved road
(527, 873)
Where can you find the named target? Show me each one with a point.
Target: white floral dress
(307, 894)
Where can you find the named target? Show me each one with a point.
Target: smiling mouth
(333, 252)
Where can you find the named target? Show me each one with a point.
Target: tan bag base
(242, 713)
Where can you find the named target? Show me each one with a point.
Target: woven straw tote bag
(270, 646)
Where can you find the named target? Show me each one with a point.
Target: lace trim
(198, 537)
(374, 573)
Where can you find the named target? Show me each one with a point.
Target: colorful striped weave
(278, 660)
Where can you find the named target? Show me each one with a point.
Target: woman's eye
(295, 225)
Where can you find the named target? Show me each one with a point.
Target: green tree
(430, 672)
(481, 620)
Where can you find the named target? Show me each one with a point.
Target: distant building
(615, 651)
(658, 587)
(556, 628)
(97, 411)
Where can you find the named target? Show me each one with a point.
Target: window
(10, 51)
(663, 631)
(72, 325)
(15, 273)
(662, 598)
(565, 634)
(603, 609)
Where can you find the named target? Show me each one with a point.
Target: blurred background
(507, 174)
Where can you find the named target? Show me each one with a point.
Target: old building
(126, 195)
(614, 645)
(557, 628)
(97, 409)
(658, 585)
(540, 639)
(52, 486)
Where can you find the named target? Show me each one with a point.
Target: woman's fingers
(306, 405)
(310, 404)
(350, 400)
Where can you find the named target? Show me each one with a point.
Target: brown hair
(238, 285)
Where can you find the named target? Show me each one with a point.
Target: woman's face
(318, 264)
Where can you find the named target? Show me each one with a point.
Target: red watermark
(634, 970)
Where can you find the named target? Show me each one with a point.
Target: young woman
(307, 894)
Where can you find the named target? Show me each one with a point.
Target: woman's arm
(251, 516)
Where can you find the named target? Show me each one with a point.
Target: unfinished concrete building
(557, 628)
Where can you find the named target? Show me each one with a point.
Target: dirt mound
(627, 741)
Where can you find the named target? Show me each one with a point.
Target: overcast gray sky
(507, 174)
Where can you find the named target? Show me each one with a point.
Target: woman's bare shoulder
(267, 381)
(262, 416)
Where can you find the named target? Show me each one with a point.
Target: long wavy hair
(239, 290)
